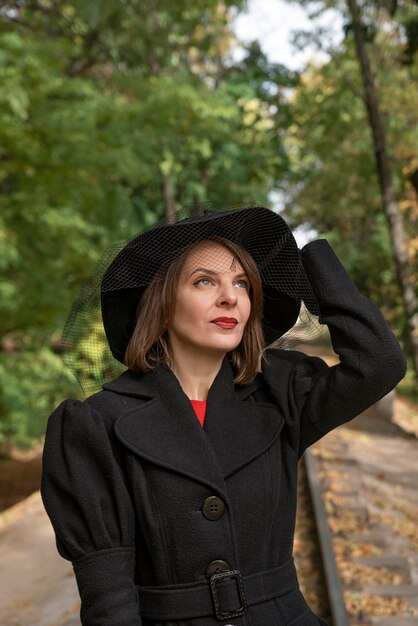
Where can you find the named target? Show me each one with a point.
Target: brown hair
(149, 342)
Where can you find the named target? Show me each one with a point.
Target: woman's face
(212, 303)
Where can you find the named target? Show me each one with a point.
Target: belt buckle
(236, 612)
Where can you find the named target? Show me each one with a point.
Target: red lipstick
(225, 322)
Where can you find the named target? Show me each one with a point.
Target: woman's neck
(196, 373)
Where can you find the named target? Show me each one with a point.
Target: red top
(200, 409)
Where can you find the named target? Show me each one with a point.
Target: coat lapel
(165, 430)
(238, 429)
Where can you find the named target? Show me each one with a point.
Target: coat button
(216, 567)
(213, 508)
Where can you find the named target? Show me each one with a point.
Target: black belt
(226, 594)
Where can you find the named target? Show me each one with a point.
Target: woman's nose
(228, 295)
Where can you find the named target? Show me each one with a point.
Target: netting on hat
(211, 282)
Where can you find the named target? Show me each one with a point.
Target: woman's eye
(203, 281)
(242, 284)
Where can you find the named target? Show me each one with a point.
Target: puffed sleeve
(319, 397)
(86, 499)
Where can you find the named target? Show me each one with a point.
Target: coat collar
(165, 430)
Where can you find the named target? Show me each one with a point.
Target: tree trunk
(390, 205)
(169, 204)
(414, 180)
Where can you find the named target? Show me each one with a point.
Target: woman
(173, 489)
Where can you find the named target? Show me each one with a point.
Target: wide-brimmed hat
(125, 270)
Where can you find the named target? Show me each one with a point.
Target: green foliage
(32, 381)
(332, 184)
(102, 104)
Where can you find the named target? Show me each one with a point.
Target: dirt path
(38, 587)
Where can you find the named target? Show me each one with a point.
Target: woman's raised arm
(371, 360)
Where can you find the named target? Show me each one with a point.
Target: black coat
(126, 473)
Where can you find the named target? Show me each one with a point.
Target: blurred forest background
(116, 112)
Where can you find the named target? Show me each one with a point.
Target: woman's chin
(226, 345)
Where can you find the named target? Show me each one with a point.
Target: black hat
(122, 279)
